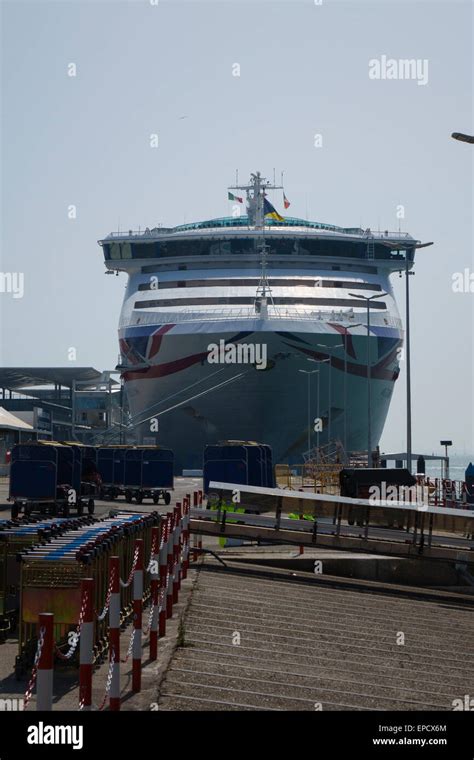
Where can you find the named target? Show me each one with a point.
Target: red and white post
(114, 633)
(186, 520)
(163, 574)
(169, 574)
(137, 618)
(199, 538)
(86, 644)
(176, 552)
(44, 676)
(154, 592)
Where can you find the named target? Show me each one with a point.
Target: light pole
(368, 300)
(318, 361)
(309, 373)
(345, 335)
(446, 458)
(408, 355)
(323, 345)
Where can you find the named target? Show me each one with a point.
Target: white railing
(159, 231)
(168, 317)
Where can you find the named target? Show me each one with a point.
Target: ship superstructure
(288, 291)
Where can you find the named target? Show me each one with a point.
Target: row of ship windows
(252, 281)
(212, 247)
(228, 264)
(241, 301)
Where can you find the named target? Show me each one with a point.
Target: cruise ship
(260, 327)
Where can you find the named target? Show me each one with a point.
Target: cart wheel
(167, 497)
(66, 509)
(156, 498)
(80, 508)
(139, 497)
(15, 511)
(91, 506)
(128, 497)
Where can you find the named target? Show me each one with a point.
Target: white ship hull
(195, 402)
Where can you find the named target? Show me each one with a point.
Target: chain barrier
(77, 633)
(34, 670)
(134, 564)
(150, 617)
(108, 597)
(130, 647)
(152, 553)
(109, 680)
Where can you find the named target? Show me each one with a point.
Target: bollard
(164, 525)
(169, 573)
(137, 618)
(186, 519)
(176, 552)
(301, 548)
(195, 504)
(154, 593)
(86, 644)
(114, 633)
(199, 543)
(44, 676)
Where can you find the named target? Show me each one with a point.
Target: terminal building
(61, 403)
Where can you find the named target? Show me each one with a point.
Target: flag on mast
(232, 197)
(269, 210)
(286, 202)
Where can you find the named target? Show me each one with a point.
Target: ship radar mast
(255, 193)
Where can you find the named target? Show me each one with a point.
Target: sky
(77, 162)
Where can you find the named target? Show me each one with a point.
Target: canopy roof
(23, 377)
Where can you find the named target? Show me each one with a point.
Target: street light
(446, 458)
(349, 327)
(318, 361)
(309, 372)
(408, 354)
(323, 345)
(368, 299)
(408, 259)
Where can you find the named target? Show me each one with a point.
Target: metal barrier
(51, 577)
(382, 526)
(16, 537)
(324, 478)
(320, 478)
(166, 547)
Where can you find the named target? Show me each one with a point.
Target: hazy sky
(304, 70)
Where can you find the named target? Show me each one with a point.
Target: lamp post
(368, 300)
(309, 373)
(318, 361)
(408, 356)
(323, 345)
(349, 327)
(446, 458)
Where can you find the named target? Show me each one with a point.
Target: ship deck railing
(175, 317)
(158, 232)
